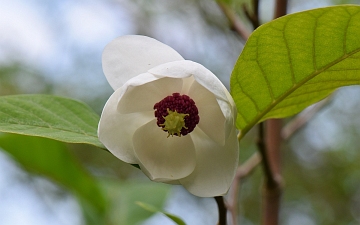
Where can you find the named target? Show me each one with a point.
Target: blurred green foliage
(126, 194)
(52, 159)
(153, 209)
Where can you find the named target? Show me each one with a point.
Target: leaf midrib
(292, 89)
(58, 139)
(50, 128)
(47, 125)
(51, 113)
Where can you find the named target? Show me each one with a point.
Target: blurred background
(54, 47)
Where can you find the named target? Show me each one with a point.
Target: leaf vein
(335, 80)
(295, 87)
(345, 34)
(242, 116)
(248, 96)
(77, 116)
(58, 116)
(27, 112)
(314, 45)
(288, 53)
(48, 128)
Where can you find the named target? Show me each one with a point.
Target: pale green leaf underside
(153, 209)
(49, 116)
(295, 61)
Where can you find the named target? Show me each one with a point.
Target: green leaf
(295, 61)
(52, 159)
(153, 209)
(49, 116)
(124, 194)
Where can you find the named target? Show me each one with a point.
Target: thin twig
(243, 171)
(234, 20)
(254, 17)
(256, 11)
(303, 118)
(222, 209)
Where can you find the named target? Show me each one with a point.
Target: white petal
(128, 56)
(140, 97)
(212, 120)
(115, 130)
(186, 68)
(215, 165)
(229, 110)
(208, 90)
(163, 158)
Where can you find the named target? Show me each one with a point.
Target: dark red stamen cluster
(182, 104)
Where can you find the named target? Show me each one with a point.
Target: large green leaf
(52, 159)
(295, 61)
(49, 116)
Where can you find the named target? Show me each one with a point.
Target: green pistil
(174, 122)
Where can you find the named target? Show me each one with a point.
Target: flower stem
(222, 209)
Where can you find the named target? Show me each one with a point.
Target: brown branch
(273, 184)
(243, 171)
(234, 20)
(272, 189)
(262, 146)
(256, 11)
(222, 209)
(269, 140)
(253, 161)
(280, 8)
(254, 17)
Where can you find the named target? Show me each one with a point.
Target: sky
(44, 34)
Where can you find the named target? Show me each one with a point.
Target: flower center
(177, 114)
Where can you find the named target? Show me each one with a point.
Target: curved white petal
(215, 165)
(128, 56)
(115, 130)
(229, 110)
(163, 158)
(139, 96)
(212, 120)
(209, 94)
(186, 68)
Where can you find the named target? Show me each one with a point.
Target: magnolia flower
(170, 116)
